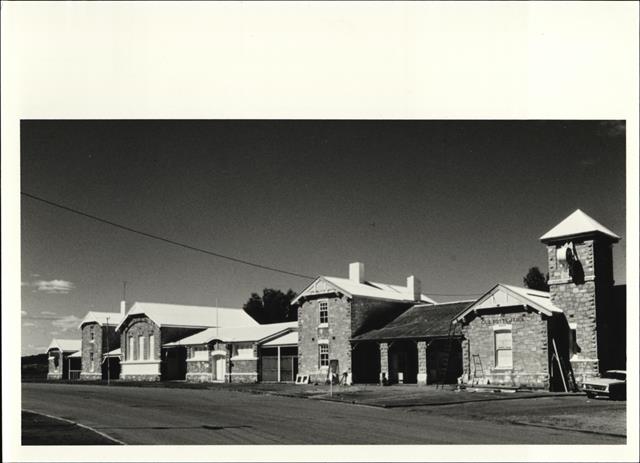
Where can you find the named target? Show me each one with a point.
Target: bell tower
(579, 255)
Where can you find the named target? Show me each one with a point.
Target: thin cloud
(66, 323)
(47, 312)
(54, 286)
(23, 312)
(28, 324)
(612, 128)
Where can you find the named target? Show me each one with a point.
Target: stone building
(148, 331)
(510, 337)
(580, 259)
(521, 337)
(333, 311)
(61, 362)
(99, 337)
(234, 354)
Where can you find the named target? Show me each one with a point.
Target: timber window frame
(152, 347)
(323, 355)
(323, 312)
(503, 348)
(130, 348)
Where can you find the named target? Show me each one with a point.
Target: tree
(273, 306)
(534, 279)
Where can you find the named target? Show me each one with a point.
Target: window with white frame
(92, 364)
(91, 333)
(323, 350)
(199, 353)
(141, 348)
(130, 349)
(503, 345)
(243, 350)
(324, 313)
(152, 347)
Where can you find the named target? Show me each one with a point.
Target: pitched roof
(76, 354)
(370, 289)
(286, 339)
(420, 321)
(65, 345)
(114, 318)
(114, 353)
(189, 315)
(502, 295)
(236, 334)
(578, 223)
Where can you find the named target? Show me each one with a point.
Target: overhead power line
(165, 240)
(188, 246)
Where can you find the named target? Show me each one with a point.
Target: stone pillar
(384, 361)
(422, 363)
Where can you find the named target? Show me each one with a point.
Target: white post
(278, 363)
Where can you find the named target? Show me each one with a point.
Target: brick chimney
(414, 288)
(356, 272)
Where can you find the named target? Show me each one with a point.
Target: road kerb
(54, 417)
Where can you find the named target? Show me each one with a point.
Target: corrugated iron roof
(65, 345)
(235, 334)
(420, 321)
(538, 300)
(114, 353)
(372, 289)
(190, 315)
(102, 318)
(285, 340)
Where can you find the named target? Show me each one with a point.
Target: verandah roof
(419, 322)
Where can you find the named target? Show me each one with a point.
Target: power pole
(107, 359)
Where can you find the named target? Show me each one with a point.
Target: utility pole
(107, 358)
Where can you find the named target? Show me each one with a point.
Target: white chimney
(356, 272)
(123, 308)
(414, 288)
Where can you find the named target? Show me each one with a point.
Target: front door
(219, 368)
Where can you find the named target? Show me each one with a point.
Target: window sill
(323, 325)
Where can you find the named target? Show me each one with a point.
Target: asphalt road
(137, 415)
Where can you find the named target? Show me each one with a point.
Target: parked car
(613, 384)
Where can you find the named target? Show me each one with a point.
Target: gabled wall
(105, 338)
(529, 348)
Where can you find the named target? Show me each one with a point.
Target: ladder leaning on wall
(477, 366)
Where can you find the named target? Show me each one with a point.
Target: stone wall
(55, 372)
(243, 371)
(92, 369)
(422, 362)
(136, 327)
(587, 303)
(529, 349)
(337, 333)
(199, 371)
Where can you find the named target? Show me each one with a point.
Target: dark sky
(460, 204)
